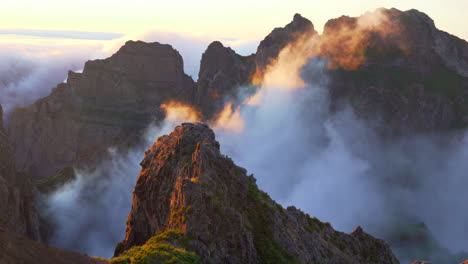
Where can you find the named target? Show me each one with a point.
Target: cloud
(69, 34)
(25, 78)
(89, 214)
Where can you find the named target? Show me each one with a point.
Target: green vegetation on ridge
(168, 247)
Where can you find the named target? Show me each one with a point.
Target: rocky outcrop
(409, 74)
(186, 184)
(110, 103)
(279, 38)
(227, 77)
(17, 194)
(16, 249)
(223, 75)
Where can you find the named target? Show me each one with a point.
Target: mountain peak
(301, 23)
(148, 48)
(279, 38)
(187, 185)
(215, 45)
(222, 71)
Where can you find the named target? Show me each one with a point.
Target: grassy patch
(160, 249)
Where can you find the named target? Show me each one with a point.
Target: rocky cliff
(17, 194)
(110, 103)
(279, 38)
(223, 75)
(226, 76)
(405, 71)
(186, 184)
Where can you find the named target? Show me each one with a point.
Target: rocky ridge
(273, 43)
(109, 104)
(17, 194)
(412, 76)
(223, 75)
(186, 184)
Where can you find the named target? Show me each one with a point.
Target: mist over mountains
(362, 125)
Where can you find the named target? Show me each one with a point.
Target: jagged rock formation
(17, 194)
(279, 38)
(412, 75)
(110, 103)
(225, 75)
(16, 249)
(222, 74)
(186, 184)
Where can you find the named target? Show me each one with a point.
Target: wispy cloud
(68, 34)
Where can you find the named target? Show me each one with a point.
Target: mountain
(17, 193)
(113, 100)
(188, 190)
(223, 74)
(410, 75)
(273, 43)
(109, 104)
(227, 76)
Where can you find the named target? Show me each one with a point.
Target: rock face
(226, 76)
(108, 104)
(411, 75)
(279, 38)
(16, 249)
(17, 194)
(186, 184)
(223, 73)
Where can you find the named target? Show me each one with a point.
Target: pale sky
(246, 20)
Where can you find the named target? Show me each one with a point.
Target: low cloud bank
(89, 214)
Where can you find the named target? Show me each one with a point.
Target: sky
(244, 20)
